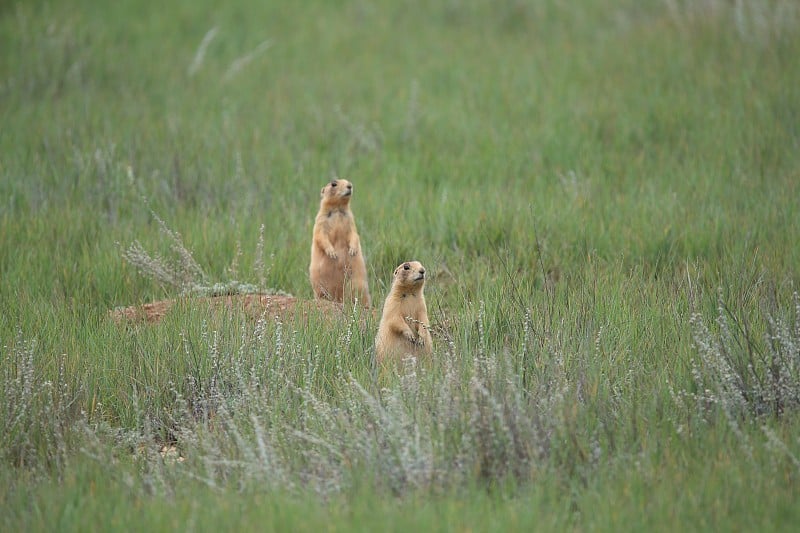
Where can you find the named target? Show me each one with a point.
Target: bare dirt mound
(285, 308)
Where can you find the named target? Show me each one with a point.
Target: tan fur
(337, 271)
(404, 324)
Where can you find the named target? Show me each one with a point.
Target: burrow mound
(268, 306)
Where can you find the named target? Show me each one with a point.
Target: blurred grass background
(608, 166)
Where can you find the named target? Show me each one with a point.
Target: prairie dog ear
(322, 191)
(396, 270)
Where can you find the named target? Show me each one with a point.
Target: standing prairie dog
(404, 324)
(337, 271)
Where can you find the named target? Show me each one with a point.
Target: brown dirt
(285, 308)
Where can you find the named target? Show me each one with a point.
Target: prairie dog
(404, 324)
(337, 271)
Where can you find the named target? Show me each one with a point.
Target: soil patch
(285, 308)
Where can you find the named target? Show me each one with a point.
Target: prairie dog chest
(338, 225)
(410, 306)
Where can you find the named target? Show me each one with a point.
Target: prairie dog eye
(333, 184)
(406, 267)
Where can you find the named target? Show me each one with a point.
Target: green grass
(579, 179)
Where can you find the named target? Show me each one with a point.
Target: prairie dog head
(409, 276)
(337, 192)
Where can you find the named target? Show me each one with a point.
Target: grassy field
(605, 193)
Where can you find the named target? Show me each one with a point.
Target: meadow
(604, 192)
